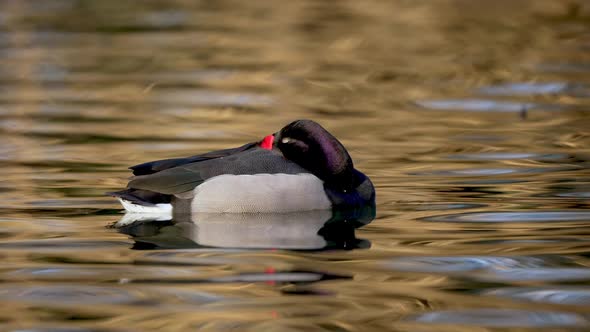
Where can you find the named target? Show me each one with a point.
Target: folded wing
(160, 165)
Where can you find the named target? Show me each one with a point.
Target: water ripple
(116, 273)
(213, 98)
(66, 329)
(546, 274)
(562, 295)
(494, 171)
(507, 217)
(500, 318)
(272, 277)
(62, 244)
(444, 206)
(79, 294)
(483, 105)
(187, 296)
(449, 264)
(498, 269)
(564, 67)
(508, 156)
(527, 89)
(585, 194)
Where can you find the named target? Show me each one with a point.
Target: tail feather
(141, 197)
(143, 201)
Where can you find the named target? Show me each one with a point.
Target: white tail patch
(132, 218)
(152, 209)
(138, 213)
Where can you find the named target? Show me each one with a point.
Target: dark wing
(186, 177)
(160, 165)
(169, 181)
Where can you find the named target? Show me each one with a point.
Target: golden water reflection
(471, 118)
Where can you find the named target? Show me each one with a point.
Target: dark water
(471, 117)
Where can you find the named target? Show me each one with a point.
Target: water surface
(471, 117)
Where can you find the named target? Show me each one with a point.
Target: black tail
(141, 197)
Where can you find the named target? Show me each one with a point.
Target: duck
(302, 167)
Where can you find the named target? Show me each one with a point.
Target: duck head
(311, 146)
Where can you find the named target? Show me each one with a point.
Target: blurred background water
(471, 117)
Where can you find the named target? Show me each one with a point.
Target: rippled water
(471, 117)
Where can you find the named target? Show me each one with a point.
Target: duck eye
(285, 140)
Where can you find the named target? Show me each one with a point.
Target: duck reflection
(306, 230)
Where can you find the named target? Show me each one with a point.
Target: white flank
(260, 193)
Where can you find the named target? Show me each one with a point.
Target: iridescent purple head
(311, 146)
